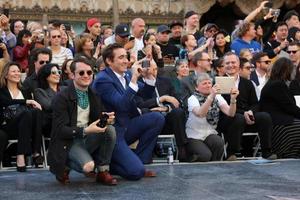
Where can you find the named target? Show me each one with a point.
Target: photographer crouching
(81, 138)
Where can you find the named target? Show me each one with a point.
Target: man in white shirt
(138, 31)
(259, 76)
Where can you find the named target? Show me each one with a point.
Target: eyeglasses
(89, 72)
(44, 62)
(56, 72)
(266, 61)
(250, 68)
(55, 36)
(289, 52)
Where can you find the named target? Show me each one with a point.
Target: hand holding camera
(106, 118)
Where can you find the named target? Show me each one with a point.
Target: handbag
(14, 111)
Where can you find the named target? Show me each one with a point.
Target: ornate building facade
(153, 11)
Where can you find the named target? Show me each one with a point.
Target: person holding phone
(118, 89)
(76, 141)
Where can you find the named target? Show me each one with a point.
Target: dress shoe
(38, 160)
(149, 173)
(105, 178)
(21, 169)
(270, 156)
(231, 158)
(91, 174)
(65, 178)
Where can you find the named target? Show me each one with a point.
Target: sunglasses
(89, 72)
(56, 72)
(55, 36)
(289, 52)
(208, 60)
(44, 62)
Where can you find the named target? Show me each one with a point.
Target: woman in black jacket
(24, 125)
(279, 102)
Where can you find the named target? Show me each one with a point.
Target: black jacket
(64, 125)
(278, 101)
(6, 100)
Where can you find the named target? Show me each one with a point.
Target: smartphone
(68, 27)
(6, 12)
(145, 63)
(251, 117)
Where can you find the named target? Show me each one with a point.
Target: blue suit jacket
(118, 99)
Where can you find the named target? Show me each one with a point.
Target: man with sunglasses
(118, 90)
(294, 52)
(40, 57)
(262, 64)
(79, 141)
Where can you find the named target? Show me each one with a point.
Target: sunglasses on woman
(56, 72)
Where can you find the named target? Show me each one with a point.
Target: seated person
(77, 140)
(117, 89)
(20, 116)
(279, 101)
(248, 117)
(48, 79)
(164, 100)
(204, 106)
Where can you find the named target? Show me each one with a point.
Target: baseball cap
(190, 13)
(122, 30)
(163, 28)
(175, 23)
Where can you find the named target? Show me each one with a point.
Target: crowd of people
(103, 96)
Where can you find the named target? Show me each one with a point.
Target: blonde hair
(80, 41)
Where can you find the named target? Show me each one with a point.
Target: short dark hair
(290, 14)
(198, 56)
(242, 62)
(79, 59)
(36, 52)
(43, 73)
(294, 43)
(183, 39)
(258, 56)
(282, 69)
(22, 33)
(230, 53)
(108, 52)
(280, 24)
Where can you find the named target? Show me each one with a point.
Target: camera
(145, 63)
(68, 27)
(275, 12)
(103, 120)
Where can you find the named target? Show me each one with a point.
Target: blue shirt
(238, 44)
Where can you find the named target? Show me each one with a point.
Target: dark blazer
(118, 99)
(6, 99)
(254, 78)
(164, 87)
(30, 83)
(278, 101)
(64, 125)
(247, 99)
(295, 87)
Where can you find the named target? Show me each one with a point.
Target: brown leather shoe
(105, 178)
(90, 174)
(65, 178)
(149, 173)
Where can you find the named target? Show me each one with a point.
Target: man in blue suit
(118, 89)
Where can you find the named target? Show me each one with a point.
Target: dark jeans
(211, 149)
(175, 124)
(3, 143)
(27, 128)
(234, 127)
(97, 147)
